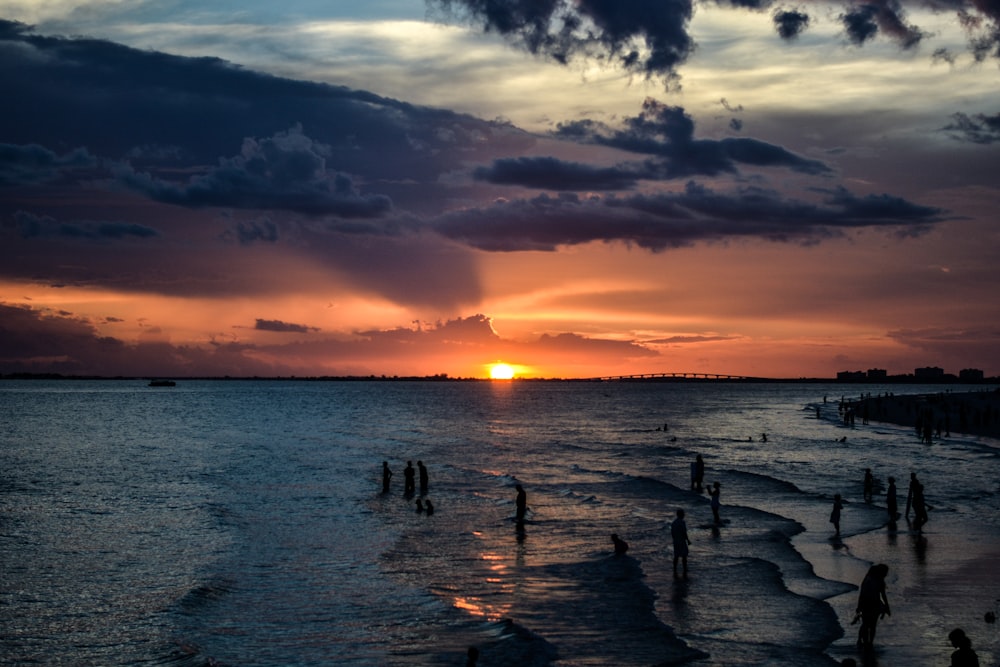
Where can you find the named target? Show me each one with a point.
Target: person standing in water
(909, 492)
(521, 503)
(697, 473)
(714, 492)
(408, 482)
(890, 501)
(679, 534)
(869, 487)
(835, 514)
(386, 476)
(423, 477)
(872, 603)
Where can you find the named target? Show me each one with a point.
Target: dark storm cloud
(667, 133)
(864, 20)
(859, 23)
(552, 174)
(31, 226)
(650, 38)
(30, 163)
(158, 110)
(286, 172)
(790, 23)
(979, 129)
(667, 220)
(282, 327)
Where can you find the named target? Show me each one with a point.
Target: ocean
(238, 522)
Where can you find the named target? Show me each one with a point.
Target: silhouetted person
(472, 657)
(835, 514)
(869, 485)
(679, 534)
(621, 546)
(386, 476)
(697, 473)
(915, 499)
(420, 506)
(408, 482)
(423, 477)
(715, 492)
(963, 656)
(429, 507)
(872, 603)
(763, 437)
(909, 493)
(919, 506)
(521, 503)
(890, 500)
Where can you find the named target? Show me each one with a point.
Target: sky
(573, 188)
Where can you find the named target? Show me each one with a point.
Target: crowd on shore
(933, 415)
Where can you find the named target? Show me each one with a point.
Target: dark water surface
(240, 522)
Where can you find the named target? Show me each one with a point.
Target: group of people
(915, 501)
(410, 477)
(678, 527)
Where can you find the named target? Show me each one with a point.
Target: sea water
(242, 522)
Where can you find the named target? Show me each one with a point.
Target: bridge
(677, 376)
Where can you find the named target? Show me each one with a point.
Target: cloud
(171, 114)
(677, 219)
(282, 327)
(31, 164)
(863, 21)
(641, 37)
(32, 226)
(652, 38)
(33, 341)
(284, 172)
(553, 174)
(979, 129)
(667, 133)
(790, 23)
(568, 344)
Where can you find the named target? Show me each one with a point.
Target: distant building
(929, 373)
(877, 374)
(970, 375)
(851, 376)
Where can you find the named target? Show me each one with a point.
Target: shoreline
(932, 588)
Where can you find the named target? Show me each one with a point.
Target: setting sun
(501, 372)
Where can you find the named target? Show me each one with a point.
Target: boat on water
(162, 383)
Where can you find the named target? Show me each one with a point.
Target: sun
(500, 371)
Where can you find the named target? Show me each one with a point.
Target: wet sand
(937, 581)
(945, 575)
(947, 412)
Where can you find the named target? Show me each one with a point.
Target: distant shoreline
(902, 380)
